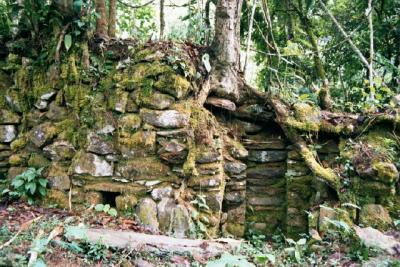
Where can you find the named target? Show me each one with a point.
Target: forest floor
(36, 231)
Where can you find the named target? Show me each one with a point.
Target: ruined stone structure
(137, 140)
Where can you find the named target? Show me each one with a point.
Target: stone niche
(139, 142)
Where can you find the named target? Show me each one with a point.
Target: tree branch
(136, 6)
(345, 35)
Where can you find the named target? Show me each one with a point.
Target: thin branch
(250, 31)
(162, 19)
(59, 43)
(346, 36)
(136, 6)
(23, 227)
(267, 18)
(371, 49)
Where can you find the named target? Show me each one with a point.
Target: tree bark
(207, 21)
(371, 50)
(112, 19)
(324, 96)
(162, 19)
(289, 19)
(101, 22)
(250, 31)
(345, 35)
(226, 50)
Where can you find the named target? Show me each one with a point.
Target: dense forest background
(294, 47)
(275, 121)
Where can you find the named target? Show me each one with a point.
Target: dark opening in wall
(109, 197)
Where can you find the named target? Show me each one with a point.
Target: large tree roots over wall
(133, 133)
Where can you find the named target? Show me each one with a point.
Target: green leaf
(99, 207)
(67, 41)
(106, 207)
(42, 191)
(77, 5)
(302, 242)
(17, 182)
(75, 232)
(113, 212)
(263, 258)
(42, 182)
(291, 241)
(297, 255)
(39, 263)
(5, 191)
(228, 260)
(31, 187)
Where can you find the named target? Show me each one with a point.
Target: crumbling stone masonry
(137, 140)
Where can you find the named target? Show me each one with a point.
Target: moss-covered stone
(57, 176)
(77, 96)
(235, 148)
(118, 101)
(169, 119)
(129, 123)
(19, 143)
(376, 216)
(326, 214)
(173, 84)
(147, 213)
(137, 76)
(59, 151)
(43, 133)
(80, 196)
(154, 100)
(19, 159)
(149, 168)
(56, 197)
(373, 188)
(125, 202)
(385, 172)
(88, 163)
(38, 161)
(139, 144)
(113, 185)
(9, 117)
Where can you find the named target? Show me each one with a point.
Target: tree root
(23, 227)
(326, 175)
(60, 40)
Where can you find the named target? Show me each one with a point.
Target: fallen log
(154, 243)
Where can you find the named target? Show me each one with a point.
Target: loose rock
(165, 119)
(147, 213)
(7, 133)
(87, 163)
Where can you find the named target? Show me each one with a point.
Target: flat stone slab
(262, 156)
(221, 103)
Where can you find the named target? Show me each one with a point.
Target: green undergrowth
(256, 251)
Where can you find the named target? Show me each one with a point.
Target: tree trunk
(112, 19)
(207, 21)
(371, 50)
(226, 50)
(250, 31)
(162, 20)
(289, 19)
(324, 94)
(101, 22)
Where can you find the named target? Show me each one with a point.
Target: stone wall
(135, 139)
